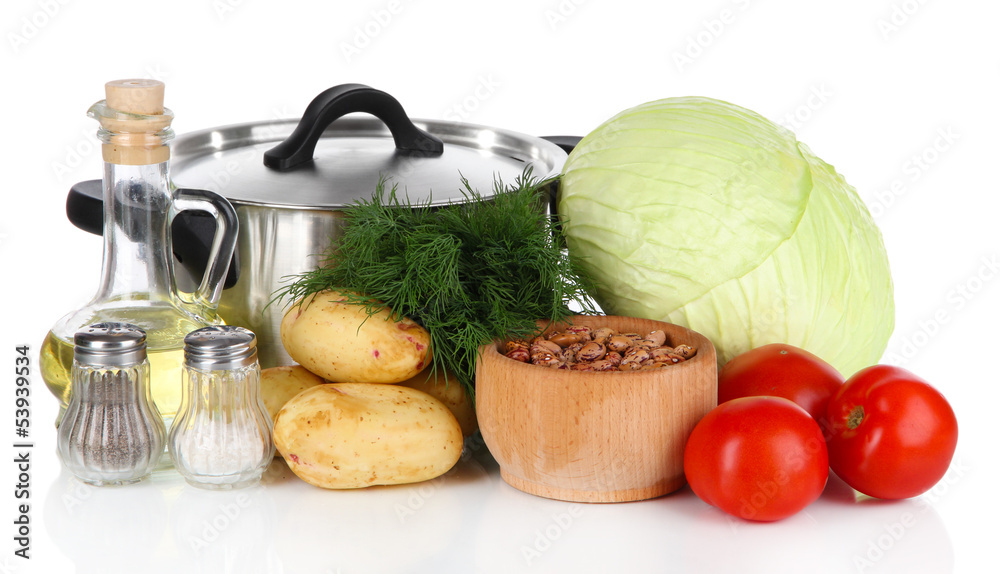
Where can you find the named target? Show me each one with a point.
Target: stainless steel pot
(290, 180)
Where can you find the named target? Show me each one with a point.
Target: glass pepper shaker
(222, 436)
(111, 433)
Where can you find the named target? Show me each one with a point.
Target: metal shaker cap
(220, 348)
(110, 345)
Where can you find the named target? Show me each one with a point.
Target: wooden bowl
(595, 436)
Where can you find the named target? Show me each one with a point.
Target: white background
(900, 96)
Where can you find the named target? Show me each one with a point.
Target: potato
(279, 384)
(353, 435)
(450, 392)
(341, 343)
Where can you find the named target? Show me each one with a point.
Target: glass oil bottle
(137, 278)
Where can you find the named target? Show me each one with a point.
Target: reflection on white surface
(678, 532)
(469, 520)
(106, 529)
(283, 525)
(225, 531)
(841, 532)
(407, 528)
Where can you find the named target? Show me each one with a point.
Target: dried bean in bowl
(602, 349)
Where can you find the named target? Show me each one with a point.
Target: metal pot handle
(338, 101)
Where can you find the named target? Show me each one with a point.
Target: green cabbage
(705, 214)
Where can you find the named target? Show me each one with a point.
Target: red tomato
(893, 434)
(759, 458)
(780, 370)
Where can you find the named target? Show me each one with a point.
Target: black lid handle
(338, 101)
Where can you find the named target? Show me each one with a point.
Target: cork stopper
(143, 97)
(136, 126)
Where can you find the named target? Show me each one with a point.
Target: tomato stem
(857, 415)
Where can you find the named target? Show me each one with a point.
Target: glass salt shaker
(111, 433)
(222, 436)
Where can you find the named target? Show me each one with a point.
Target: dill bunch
(470, 273)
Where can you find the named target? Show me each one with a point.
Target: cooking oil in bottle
(165, 370)
(138, 286)
(166, 328)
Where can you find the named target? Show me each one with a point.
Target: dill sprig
(470, 272)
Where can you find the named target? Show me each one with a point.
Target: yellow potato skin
(450, 392)
(341, 343)
(355, 435)
(279, 384)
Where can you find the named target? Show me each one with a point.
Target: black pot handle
(338, 101)
(567, 143)
(192, 232)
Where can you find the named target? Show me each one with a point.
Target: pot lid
(319, 163)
